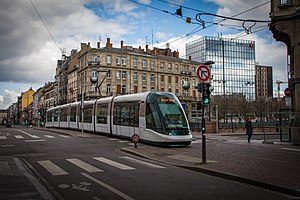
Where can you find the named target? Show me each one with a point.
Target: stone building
(108, 71)
(285, 26)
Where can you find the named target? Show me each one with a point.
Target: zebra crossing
(7, 136)
(55, 170)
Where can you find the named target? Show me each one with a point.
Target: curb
(223, 175)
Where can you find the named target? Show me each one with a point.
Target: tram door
(125, 118)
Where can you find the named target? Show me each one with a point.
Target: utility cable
(44, 24)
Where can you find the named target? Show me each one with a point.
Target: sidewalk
(17, 183)
(271, 166)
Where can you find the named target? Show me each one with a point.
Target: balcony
(93, 63)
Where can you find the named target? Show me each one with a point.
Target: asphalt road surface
(88, 166)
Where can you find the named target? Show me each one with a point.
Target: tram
(157, 117)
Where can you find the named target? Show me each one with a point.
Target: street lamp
(94, 79)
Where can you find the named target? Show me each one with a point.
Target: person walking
(249, 129)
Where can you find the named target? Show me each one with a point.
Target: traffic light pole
(203, 129)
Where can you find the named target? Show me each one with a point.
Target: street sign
(203, 73)
(135, 138)
(287, 92)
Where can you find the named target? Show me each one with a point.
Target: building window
(162, 66)
(170, 66)
(162, 78)
(123, 89)
(94, 88)
(118, 60)
(135, 89)
(144, 77)
(135, 62)
(144, 89)
(118, 74)
(108, 60)
(144, 63)
(123, 61)
(152, 78)
(176, 67)
(135, 75)
(169, 79)
(108, 75)
(108, 90)
(286, 2)
(176, 79)
(123, 74)
(152, 65)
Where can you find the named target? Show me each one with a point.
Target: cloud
(8, 98)
(26, 46)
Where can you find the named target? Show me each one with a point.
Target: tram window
(101, 114)
(49, 116)
(87, 114)
(63, 114)
(55, 115)
(73, 114)
(126, 114)
(153, 121)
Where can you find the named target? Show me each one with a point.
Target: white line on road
(113, 163)
(114, 190)
(142, 162)
(7, 145)
(52, 168)
(64, 136)
(291, 149)
(19, 136)
(83, 165)
(49, 136)
(2, 137)
(33, 136)
(34, 140)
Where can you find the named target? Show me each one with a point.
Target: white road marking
(291, 149)
(114, 164)
(83, 165)
(113, 139)
(142, 162)
(7, 145)
(33, 136)
(49, 136)
(112, 189)
(34, 140)
(64, 136)
(2, 137)
(19, 136)
(52, 168)
(123, 141)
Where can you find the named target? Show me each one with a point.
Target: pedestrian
(249, 129)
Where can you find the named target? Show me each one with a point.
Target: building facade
(233, 73)
(107, 71)
(263, 81)
(285, 26)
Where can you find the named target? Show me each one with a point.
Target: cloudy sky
(33, 33)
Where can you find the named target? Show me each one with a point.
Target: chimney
(88, 43)
(154, 51)
(177, 54)
(108, 43)
(121, 44)
(147, 49)
(98, 45)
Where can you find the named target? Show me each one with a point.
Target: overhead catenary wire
(45, 25)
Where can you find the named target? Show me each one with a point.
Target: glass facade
(233, 73)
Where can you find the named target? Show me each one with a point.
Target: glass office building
(233, 74)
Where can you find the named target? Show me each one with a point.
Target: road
(89, 166)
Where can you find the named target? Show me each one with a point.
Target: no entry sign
(203, 73)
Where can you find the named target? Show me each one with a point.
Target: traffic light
(206, 90)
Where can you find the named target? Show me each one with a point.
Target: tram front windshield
(165, 115)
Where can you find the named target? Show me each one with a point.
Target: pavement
(273, 166)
